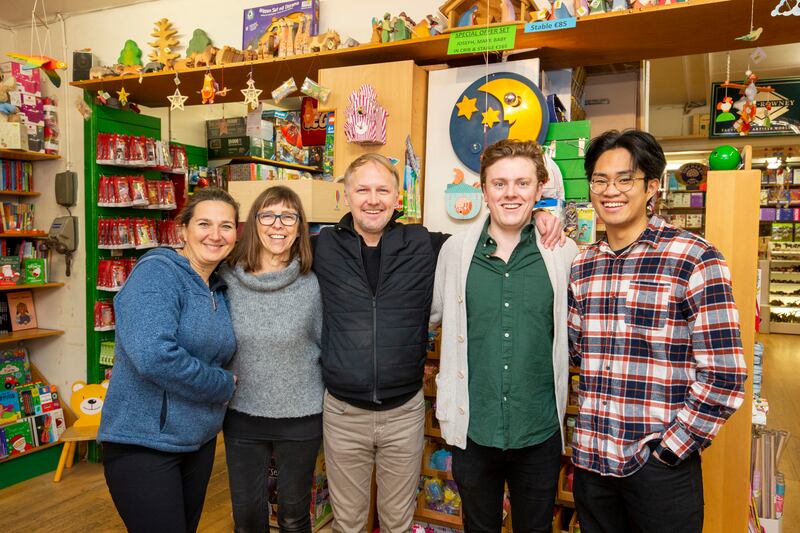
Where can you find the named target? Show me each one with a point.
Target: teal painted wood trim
(29, 466)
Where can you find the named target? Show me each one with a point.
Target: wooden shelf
(23, 155)
(28, 334)
(610, 38)
(252, 159)
(31, 286)
(19, 193)
(31, 451)
(24, 234)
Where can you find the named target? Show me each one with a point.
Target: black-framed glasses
(268, 219)
(621, 183)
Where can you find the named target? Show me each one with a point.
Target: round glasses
(622, 184)
(268, 219)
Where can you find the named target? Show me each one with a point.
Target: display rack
(107, 120)
(40, 459)
(617, 37)
(784, 287)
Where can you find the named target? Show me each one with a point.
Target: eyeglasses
(621, 183)
(268, 219)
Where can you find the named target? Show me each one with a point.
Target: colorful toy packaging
(259, 21)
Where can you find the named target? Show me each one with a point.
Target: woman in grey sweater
(276, 311)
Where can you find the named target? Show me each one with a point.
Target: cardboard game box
(258, 20)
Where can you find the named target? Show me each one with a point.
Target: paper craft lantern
(365, 118)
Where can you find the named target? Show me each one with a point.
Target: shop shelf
(31, 286)
(30, 452)
(611, 38)
(28, 334)
(253, 159)
(24, 155)
(36, 234)
(6, 192)
(431, 447)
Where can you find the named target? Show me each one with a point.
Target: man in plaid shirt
(655, 332)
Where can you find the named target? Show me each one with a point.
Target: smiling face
(210, 234)
(510, 191)
(622, 212)
(277, 240)
(371, 192)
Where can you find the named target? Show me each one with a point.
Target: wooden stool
(69, 438)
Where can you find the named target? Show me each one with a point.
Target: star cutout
(491, 117)
(466, 107)
(123, 95)
(176, 100)
(251, 94)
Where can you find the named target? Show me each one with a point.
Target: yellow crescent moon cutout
(525, 118)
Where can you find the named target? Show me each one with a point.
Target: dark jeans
(248, 461)
(157, 491)
(656, 498)
(532, 476)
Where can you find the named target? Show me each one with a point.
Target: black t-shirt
(371, 256)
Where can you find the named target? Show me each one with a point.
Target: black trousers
(157, 491)
(532, 476)
(248, 462)
(655, 499)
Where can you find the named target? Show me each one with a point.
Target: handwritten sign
(550, 25)
(482, 40)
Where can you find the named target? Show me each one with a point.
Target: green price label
(482, 40)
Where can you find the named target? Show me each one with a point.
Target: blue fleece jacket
(174, 334)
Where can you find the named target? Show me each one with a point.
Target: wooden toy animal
(329, 40)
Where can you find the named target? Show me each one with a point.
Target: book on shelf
(22, 310)
(10, 270)
(17, 216)
(16, 175)
(35, 271)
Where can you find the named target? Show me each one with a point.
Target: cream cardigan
(449, 308)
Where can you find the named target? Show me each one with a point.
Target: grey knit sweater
(277, 319)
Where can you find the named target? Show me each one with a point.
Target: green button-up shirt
(510, 346)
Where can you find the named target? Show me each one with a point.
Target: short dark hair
(508, 148)
(212, 194)
(646, 154)
(247, 252)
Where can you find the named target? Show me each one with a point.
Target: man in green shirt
(502, 385)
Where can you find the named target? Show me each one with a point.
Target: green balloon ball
(724, 158)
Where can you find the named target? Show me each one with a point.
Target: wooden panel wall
(732, 212)
(402, 89)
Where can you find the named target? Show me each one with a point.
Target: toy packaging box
(257, 20)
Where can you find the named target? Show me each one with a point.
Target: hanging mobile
(251, 93)
(177, 100)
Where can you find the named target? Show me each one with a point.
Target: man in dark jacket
(376, 277)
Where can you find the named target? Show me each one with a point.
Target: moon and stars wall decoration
(502, 105)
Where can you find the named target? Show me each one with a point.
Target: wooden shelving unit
(253, 159)
(31, 451)
(610, 38)
(29, 334)
(23, 155)
(19, 193)
(23, 234)
(31, 286)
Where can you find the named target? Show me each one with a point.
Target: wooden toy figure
(597, 6)
(376, 31)
(469, 18)
(386, 28)
(507, 11)
(581, 8)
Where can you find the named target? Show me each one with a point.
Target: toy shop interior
(114, 113)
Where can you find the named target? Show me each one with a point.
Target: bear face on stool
(87, 402)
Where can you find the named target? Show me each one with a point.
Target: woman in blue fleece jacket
(169, 390)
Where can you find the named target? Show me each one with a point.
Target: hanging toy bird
(47, 64)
